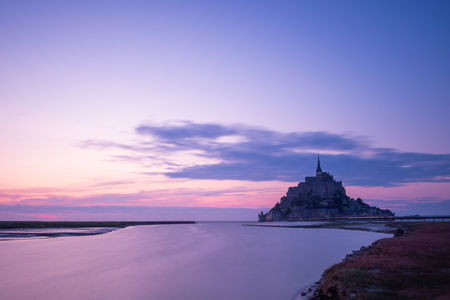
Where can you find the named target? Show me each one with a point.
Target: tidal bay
(208, 260)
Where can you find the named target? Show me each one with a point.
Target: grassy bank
(413, 266)
(68, 224)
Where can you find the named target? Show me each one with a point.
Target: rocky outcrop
(319, 197)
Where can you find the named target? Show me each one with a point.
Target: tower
(319, 169)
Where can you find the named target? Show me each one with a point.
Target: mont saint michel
(319, 197)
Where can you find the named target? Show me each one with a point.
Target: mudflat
(78, 224)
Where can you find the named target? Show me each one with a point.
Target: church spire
(319, 169)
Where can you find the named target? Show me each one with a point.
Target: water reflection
(197, 261)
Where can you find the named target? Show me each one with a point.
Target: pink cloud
(41, 216)
(256, 196)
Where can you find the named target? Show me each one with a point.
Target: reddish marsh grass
(415, 266)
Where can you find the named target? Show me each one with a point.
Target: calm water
(198, 261)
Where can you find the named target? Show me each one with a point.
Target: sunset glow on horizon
(210, 111)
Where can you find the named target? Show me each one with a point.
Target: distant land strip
(347, 226)
(381, 218)
(81, 224)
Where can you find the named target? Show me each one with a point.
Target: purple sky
(205, 107)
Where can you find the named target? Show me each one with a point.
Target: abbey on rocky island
(319, 197)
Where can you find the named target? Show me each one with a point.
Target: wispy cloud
(239, 152)
(113, 183)
(182, 197)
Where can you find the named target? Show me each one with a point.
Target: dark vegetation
(415, 265)
(69, 224)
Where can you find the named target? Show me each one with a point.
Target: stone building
(319, 197)
(322, 186)
(273, 215)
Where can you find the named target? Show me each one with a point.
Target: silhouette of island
(319, 197)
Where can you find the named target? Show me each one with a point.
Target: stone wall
(306, 190)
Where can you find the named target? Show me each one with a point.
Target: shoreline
(307, 292)
(408, 265)
(311, 291)
(336, 290)
(380, 227)
(79, 224)
(27, 230)
(42, 233)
